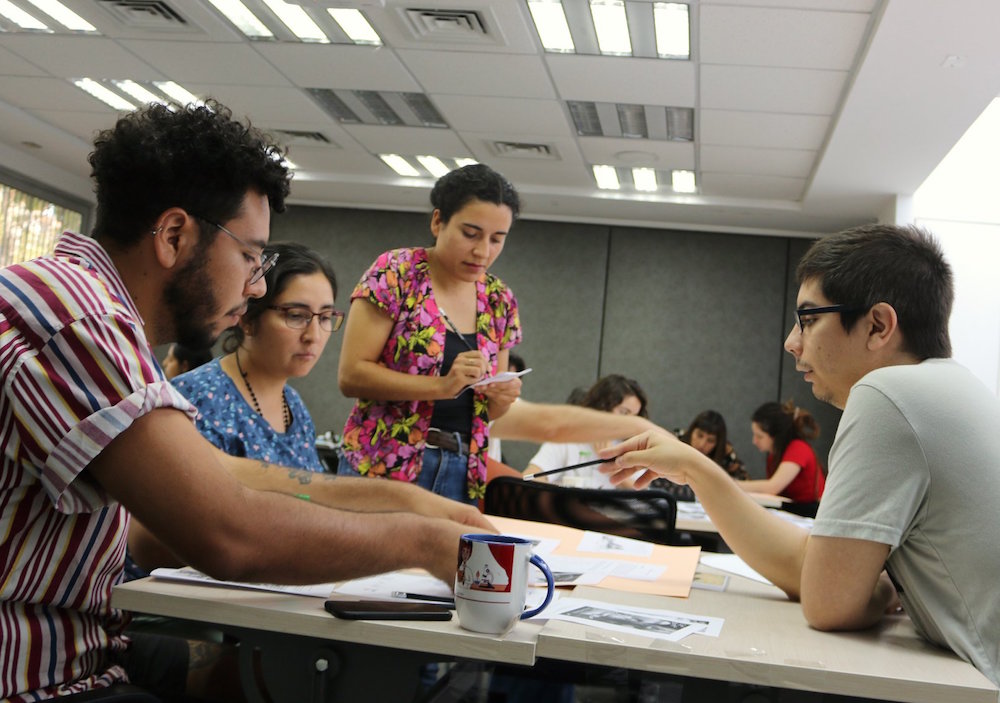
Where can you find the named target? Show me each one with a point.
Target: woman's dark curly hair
(196, 157)
(293, 260)
(455, 189)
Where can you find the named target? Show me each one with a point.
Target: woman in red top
(793, 471)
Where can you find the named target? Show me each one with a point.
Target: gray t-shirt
(916, 466)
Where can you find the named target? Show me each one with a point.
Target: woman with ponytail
(793, 471)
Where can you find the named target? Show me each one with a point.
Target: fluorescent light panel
(63, 15)
(465, 162)
(550, 21)
(245, 21)
(611, 26)
(684, 182)
(673, 30)
(21, 18)
(398, 164)
(181, 95)
(140, 93)
(355, 26)
(296, 19)
(434, 165)
(105, 95)
(644, 179)
(607, 178)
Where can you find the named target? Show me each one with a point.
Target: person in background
(184, 199)
(181, 359)
(793, 471)
(909, 517)
(613, 394)
(707, 434)
(424, 325)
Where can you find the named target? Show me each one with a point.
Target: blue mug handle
(549, 583)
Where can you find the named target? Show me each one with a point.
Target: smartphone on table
(386, 610)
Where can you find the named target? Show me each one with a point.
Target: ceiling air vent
(524, 150)
(448, 25)
(299, 136)
(379, 107)
(147, 15)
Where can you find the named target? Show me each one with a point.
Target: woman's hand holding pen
(468, 367)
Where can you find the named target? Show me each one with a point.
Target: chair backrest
(648, 515)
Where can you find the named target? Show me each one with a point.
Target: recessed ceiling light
(398, 164)
(644, 179)
(607, 177)
(245, 21)
(106, 96)
(139, 93)
(296, 19)
(673, 32)
(63, 15)
(434, 165)
(611, 26)
(684, 182)
(550, 21)
(21, 18)
(181, 95)
(461, 163)
(355, 26)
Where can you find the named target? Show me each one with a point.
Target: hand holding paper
(500, 377)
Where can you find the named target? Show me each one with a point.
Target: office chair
(648, 515)
(118, 693)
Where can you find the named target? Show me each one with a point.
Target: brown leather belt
(446, 440)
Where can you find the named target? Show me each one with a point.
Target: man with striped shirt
(91, 431)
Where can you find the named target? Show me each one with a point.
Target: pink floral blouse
(386, 438)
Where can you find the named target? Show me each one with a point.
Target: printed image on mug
(491, 582)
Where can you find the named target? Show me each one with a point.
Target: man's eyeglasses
(298, 318)
(806, 312)
(266, 263)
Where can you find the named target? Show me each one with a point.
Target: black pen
(444, 600)
(447, 321)
(528, 477)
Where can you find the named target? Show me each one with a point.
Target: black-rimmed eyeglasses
(806, 312)
(298, 318)
(266, 262)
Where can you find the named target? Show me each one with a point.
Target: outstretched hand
(649, 456)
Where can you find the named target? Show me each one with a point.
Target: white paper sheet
(646, 622)
(500, 377)
(612, 544)
(731, 563)
(319, 590)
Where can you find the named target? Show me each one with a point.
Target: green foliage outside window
(29, 225)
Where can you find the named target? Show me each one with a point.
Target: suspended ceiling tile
(503, 114)
(13, 65)
(758, 36)
(198, 62)
(50, 94)
(84, 125)
(831, 5)
(407, 141)
(339, 66)
(637, 152)
(623, 80)
(750, 186)
(799, 91)
(270, 105)
(468, 73)
(793, 163)
(81, 56)
(762, 129)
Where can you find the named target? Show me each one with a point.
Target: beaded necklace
(286, 411)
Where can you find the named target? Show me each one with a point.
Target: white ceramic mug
(492, 581)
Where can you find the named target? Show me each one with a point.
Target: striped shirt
(76, 371)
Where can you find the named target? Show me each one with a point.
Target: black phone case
(386, 610)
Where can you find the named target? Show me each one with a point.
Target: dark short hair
(611, 390)
(196, 157)
(455, 189)
(293, 260)
(785, 422)
(515, 363)
(190, 356)
(899, 265)
(710, 422)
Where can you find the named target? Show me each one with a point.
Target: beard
(192, 305)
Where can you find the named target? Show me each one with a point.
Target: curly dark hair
(293, 260)
(455, 189)
(196, 157)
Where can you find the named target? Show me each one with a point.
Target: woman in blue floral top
(410, 363)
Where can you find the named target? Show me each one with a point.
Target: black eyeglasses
(266, 262)
(805, 312)
(298, 317)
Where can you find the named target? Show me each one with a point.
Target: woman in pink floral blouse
(425, 324)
